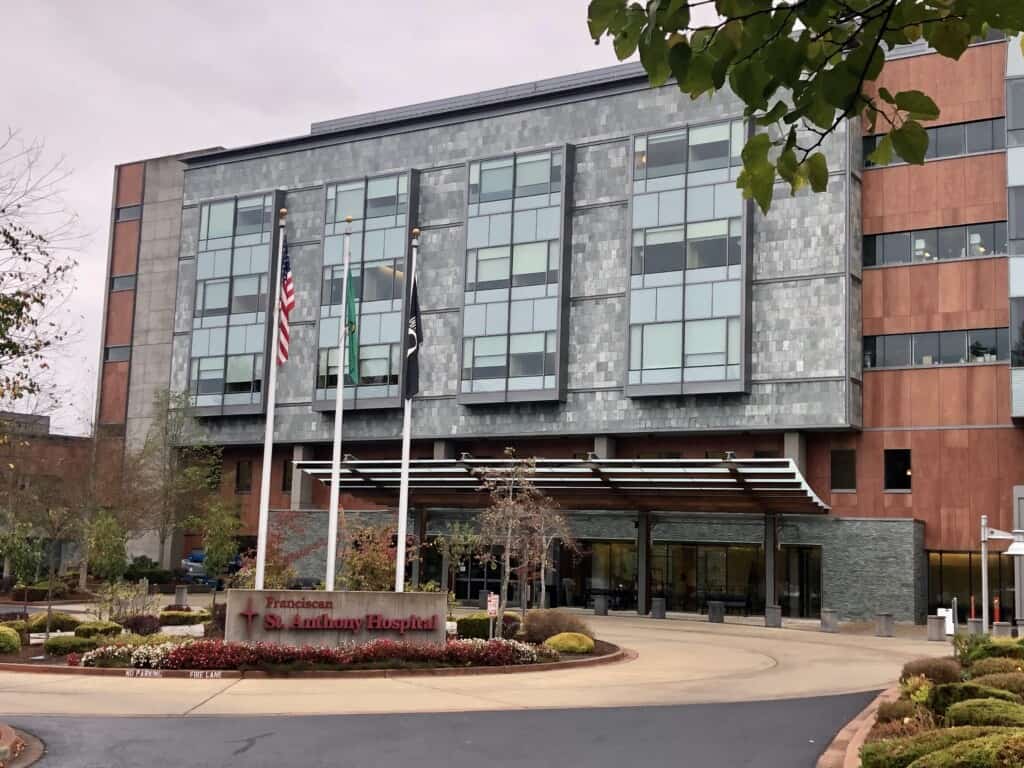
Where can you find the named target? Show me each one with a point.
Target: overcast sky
(109, 82)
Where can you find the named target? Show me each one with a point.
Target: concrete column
(444, 449)
(794, 446)
(770, 546)
(643, 562)
(302, 484)
(604, 446)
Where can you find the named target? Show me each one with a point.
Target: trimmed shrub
(65, 644)
(942, 697)
(544, 623)
(1007, 681)
(890, 711)
(60, 589)
(1004, 750)
(477, 625)
(996, 648)
(996, 666)
(59, 622)
(900, 753)
(10, 641)
(98, 629)
(144, 624)
(21, 627)
(570, 642)
(937, 670)
(991, 711)
(183, 618)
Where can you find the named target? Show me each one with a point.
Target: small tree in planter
(369, 559)
(108, 555)
(25, 555)
(546, 527)
(220, 527)
(459, 543)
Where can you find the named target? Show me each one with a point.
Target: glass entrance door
(798, 581)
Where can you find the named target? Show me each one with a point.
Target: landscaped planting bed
(378, 654)
(965, 712)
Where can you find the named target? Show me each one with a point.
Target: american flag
(287, 305)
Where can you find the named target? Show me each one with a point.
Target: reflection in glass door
(798, 581)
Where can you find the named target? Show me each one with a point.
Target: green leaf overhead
(812, 65)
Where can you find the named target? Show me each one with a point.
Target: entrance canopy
(677, 485)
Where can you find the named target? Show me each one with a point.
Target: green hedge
(65, 644)
(21, 627)
(991, 711)
(996, 649)
(10, 641)
(570, 642)
(900, 753)
(937, 670)
(1006, 681)
(59, 622)
(998, 751)
(478, 625)
(183, 618)
(942, 697)
(98, 628)
(996, 666)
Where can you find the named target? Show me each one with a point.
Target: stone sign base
(303, 617)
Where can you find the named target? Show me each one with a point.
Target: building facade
(591, 282)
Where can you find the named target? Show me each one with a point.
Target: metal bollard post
(829, 620)
(773, 616)
(937, 628)
(884, 625)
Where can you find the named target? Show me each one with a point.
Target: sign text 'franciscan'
(278, 615)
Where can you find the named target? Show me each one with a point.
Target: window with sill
(923, 350)
(243, 477)
(229, 323)
(929, 245)
(897, 469)
(514, 275)
(380, 211)
(953, 140)
(844, 469)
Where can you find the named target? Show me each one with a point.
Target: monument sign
(303, 617)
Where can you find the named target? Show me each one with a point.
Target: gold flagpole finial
(415, 231)
(348, 219)
(282, 214)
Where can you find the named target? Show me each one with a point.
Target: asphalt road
(767, 734)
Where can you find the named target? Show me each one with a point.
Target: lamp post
(1016, 550)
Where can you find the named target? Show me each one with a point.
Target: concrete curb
(11, 745)
(844, 751)
(620, 654)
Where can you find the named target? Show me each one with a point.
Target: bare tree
(177, 473)
(459, 543)
(547, 527)
(37, 234)
(507, 525)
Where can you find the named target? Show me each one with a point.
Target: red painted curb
(620, 654)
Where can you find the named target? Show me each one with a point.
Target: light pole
(1015, 550)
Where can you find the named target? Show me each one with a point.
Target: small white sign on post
(492, 605)
(947, 614)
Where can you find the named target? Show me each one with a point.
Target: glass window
(666, 155)
(348, 201)
(492, 270)
(924, 244)
(526, 355)
(662, 346)
(286, 476)
(212, 298)
(949, 140)
(488, 357)
(327, 368)
(219, 219)
(529, 264)
(896, 248)
(243, 477)
(128, 213)
(979, 136)
(951, 242)
(116, 354)
(871, 344)
(379, 283)
(122, 283)
(533, 174)
(952, 347)
(709, 148)
(381, 197)
(663, 250)
(249, 218)
(926, 348)
(895, 351)
(981, 345)
(980, 239)
(248, 294)
(705, 342)
(844, 470)
(1002, 343)
(707, 245)
(496, 180)
(1016, 336)
(1015, 105)
(871, 253)
(897, 469)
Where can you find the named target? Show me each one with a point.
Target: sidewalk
(679, 662)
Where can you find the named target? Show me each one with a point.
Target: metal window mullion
(511, 248)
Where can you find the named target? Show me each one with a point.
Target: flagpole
(403, 489)
(268, 435)
(339, 411)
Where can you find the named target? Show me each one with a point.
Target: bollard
(773, 616)
(657, 607)
(181, 594)
(829, 620)
(937, 628)
(481, 599)
(1001, 629)
(974, 627)
(716, 611)
(884, 625)
(600, 605)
